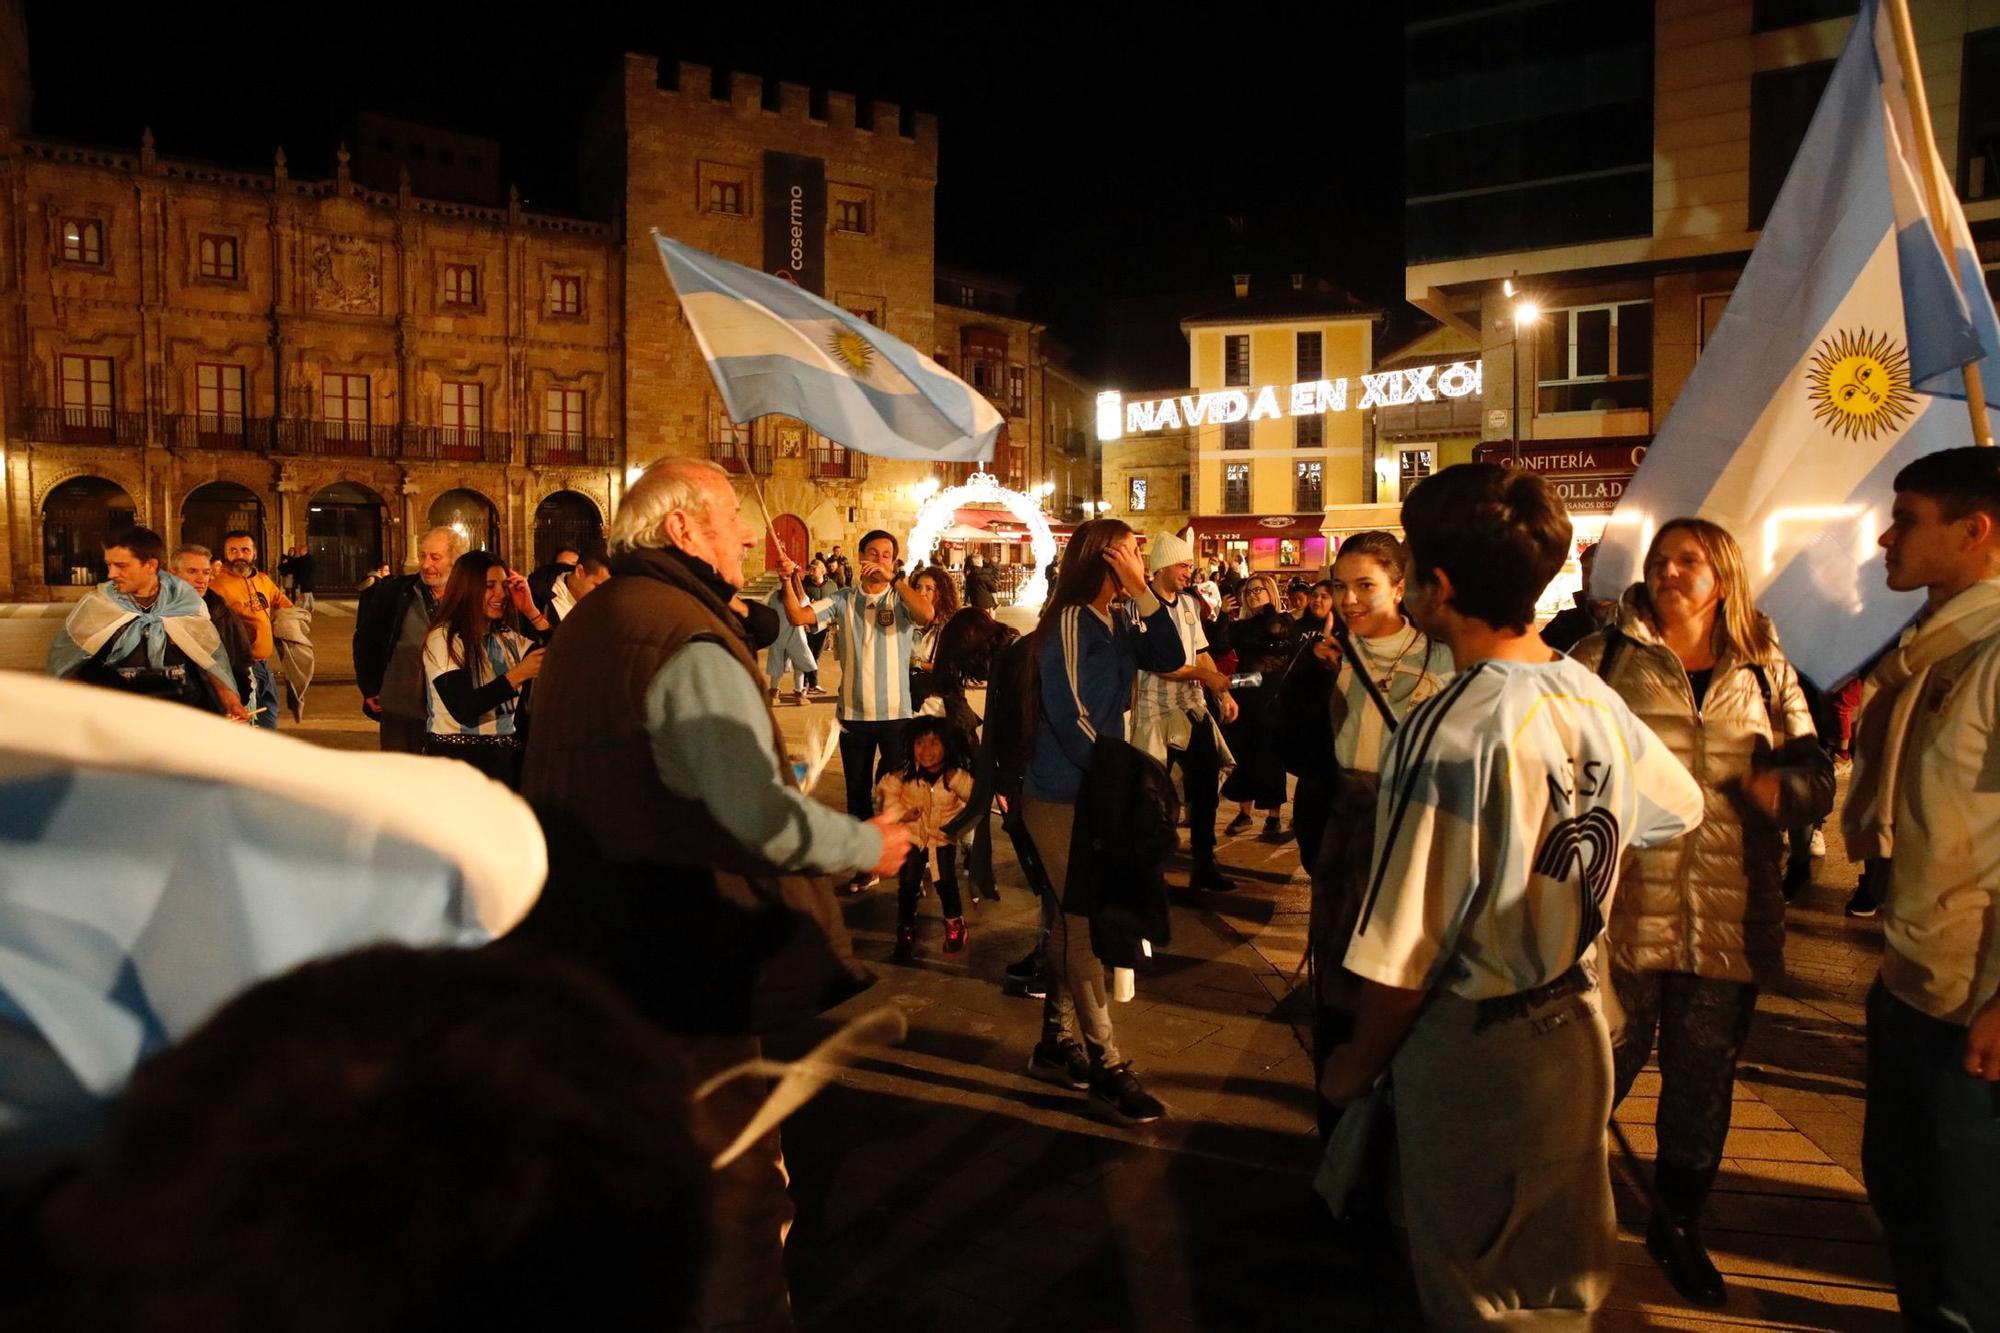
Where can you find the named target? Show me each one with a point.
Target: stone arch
(347, 533)
(216, 507)
(471, 513)
(76, 514)
(565, 517)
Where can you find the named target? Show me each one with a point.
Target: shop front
(1281, 543)
(1590, 477)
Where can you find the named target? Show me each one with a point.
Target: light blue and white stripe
(874, 661)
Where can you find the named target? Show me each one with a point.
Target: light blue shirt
(712, 743)
(874, 659)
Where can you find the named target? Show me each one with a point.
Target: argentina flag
(1837, 362)
(776, 349)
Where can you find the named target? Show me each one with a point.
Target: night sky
(1091, 160)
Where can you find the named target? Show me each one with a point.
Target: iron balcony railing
(832, 461)
(79, 425)
(458, 444)
(335, 439)
(571, 450)
(212, 430)
(740, 458)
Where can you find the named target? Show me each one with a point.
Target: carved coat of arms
(346, 274)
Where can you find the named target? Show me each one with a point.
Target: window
(851, 216)
(1236, 359)
(967, 297)
(464, 404)
(1782, 102)
(1187, 490)
(565, 294)
(1979, 117)
(1309, 432)
(725, 197)
(562, 413)
(1412, 466)
(218, 399)
(86, 390)
(1236, 435)
(1017, 390)
(1595, 358)
(83, 241)
(343, 406)
(1306, 488)
(1235, 488)
(461, 284)
(217, 256)
(1135, 499)
(1312, 356)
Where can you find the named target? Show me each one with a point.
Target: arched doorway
(472, 515)
(345, 526)
(223, 506)
(76, 518)
(565, 518)
(789, 531)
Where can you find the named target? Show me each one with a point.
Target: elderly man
(146, 632)
(253, 596)
(389, 628)
(195, 565)
(680, 846)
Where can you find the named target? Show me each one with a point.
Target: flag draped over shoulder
(776, 349)
(1837, 362)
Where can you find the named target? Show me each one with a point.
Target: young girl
(929, 791)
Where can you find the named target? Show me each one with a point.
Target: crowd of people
(1538, 857)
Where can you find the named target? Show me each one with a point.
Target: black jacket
(235, 644)
(1126, 815)
(980, 587)
(542, 588)
(377, 619)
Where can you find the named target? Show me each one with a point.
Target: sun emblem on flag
(851, 350)
(1859, 384)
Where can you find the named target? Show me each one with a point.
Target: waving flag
(776, 349)
(1832, 368)
(155, 860)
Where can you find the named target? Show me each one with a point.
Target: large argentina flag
(1837, 361)
(776, 349)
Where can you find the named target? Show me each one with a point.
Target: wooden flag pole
(1936, 189)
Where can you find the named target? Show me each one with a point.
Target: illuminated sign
(1117, 418)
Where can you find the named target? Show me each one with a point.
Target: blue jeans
(267, 695)
(1931, 1153)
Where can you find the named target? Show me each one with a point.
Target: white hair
(670, 486)
(458, 543)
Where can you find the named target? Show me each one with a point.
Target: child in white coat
(928, 792)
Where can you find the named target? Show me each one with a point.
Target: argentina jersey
(874, 659)
(1507, 803)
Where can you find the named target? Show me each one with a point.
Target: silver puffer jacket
(1711, 903)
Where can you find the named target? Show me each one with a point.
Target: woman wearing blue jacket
(1087, 652)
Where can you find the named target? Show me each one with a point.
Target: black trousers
(1701, 1024)
(868, 750)
(1201, 777)
(912, 879)
(1312, 802)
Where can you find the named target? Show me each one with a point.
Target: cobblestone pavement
(939, 1186)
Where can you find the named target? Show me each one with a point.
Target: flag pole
(1936, 189)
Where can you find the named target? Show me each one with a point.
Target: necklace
(1375, 659)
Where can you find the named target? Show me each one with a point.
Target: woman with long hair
(1264, 638)
(934, 583)
(1699, 922)
(1084, 658)
(476, 661)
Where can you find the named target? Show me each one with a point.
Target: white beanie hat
(1167, 549)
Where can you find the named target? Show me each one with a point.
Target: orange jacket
(252, 599)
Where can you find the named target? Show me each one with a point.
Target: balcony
(457, 444)
(334, 439)
(831, 462)
(79, 425)
(740, 459)
(208, 430)
(571, 451)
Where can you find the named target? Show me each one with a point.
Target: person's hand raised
(1127, 568)
(895, 846)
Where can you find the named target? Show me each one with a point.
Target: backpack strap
(1763, 676)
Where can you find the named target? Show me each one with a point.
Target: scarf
(110, 617)
(1889, 706)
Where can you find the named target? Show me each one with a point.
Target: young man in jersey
(1506, 804)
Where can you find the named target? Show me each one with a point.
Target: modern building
(1585, 181)
(339, 367)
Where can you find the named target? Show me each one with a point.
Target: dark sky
(1089, 158)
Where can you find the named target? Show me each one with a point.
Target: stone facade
(1164, 462)
(170, 326)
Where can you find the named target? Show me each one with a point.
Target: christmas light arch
(941, 509)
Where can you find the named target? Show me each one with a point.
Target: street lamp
(1526, 313)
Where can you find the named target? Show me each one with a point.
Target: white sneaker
(1818, 847)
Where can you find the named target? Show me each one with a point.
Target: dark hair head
(461, 609)
(875, 533)
(1327, 584)
(243, 533)
(1381, 547)
(556, 556)
(955, 755)
(593, 557)
(1079, 579)
(967, 646)
(946, 601)
(144, 544)
(401, 1140)
(1499, 533)
(1960, 480)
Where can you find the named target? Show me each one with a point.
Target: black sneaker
(1274, 832)
(1116, 1088)
(1240, 824)
(1028, 968)
(1061, 1062)
(1035, 987)
(1862, 903)
(1211, 879)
